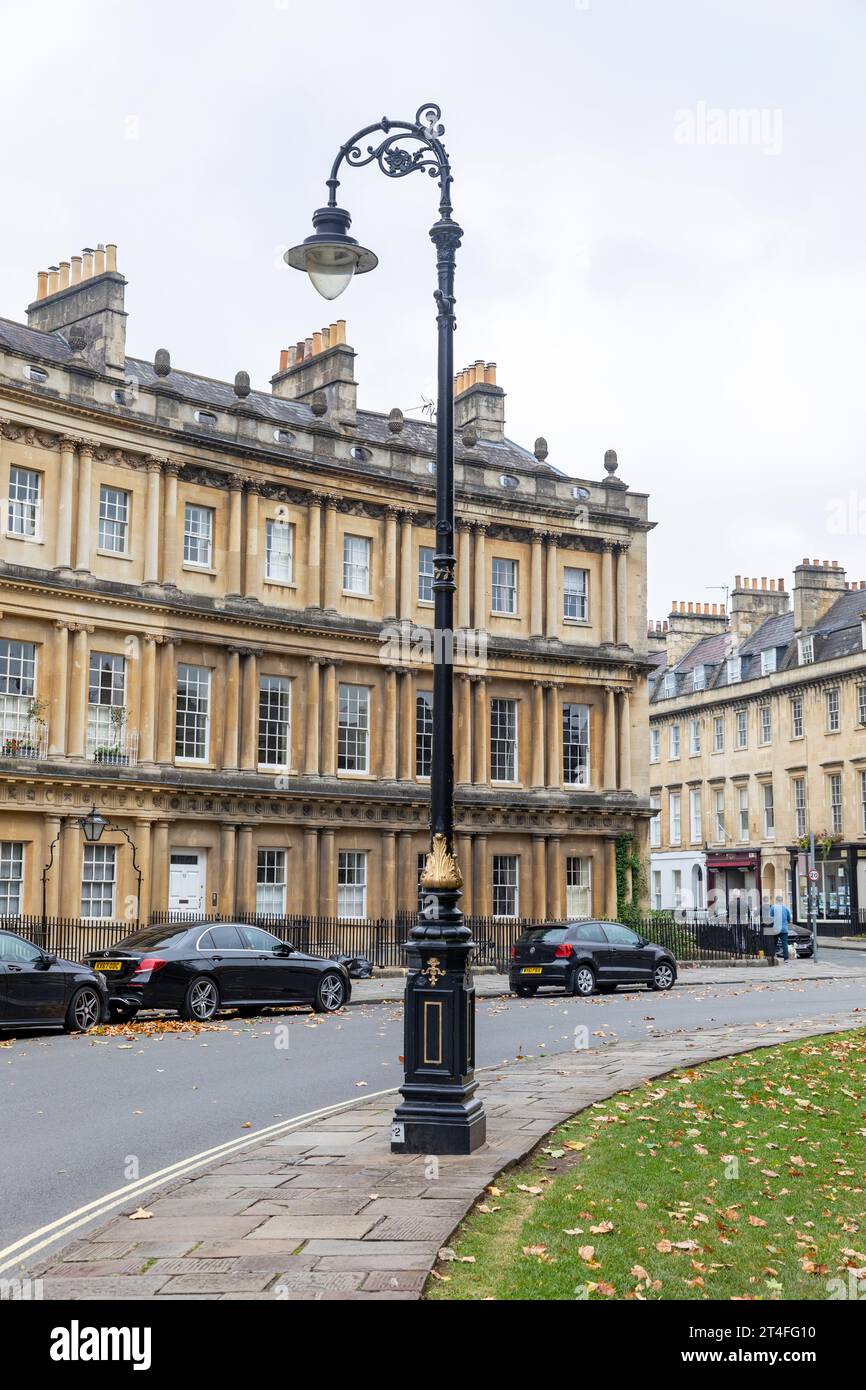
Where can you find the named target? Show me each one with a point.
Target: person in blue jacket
(780, 918)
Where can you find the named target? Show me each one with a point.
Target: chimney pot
(781, 586)
(64, 275)
(317, 344)
(490, 374)
(87, 263)
(722, 609)
(284, 359)
(111, 256)
(42, 284)
(763, 581)
(99, 260)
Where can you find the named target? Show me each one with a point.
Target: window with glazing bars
(97, 886)
(506, 887)
(23, 511)
(833, 722)
(425, 574)
(575, 745)
(352, 884)
(356, 564)
(197, 535)
(423, 733)
(503, 740)
(742, 729)
(106, 698)
(575, 595)
(797, 716)
(836, 802)
(11, 876)
(504, 586)
(17, 688)
(192, 726)
(578, 886)
(279, 537)
(275, 696)
(353, 732)
(769, 811)
(113, 519)
(271, 881)
(766, 723)
(800, 806)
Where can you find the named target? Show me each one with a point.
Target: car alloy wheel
(330, 994)
(584, 980)
(85, 1010)
(663, 976)
(203, 1000)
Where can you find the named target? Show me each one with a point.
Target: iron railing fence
(688, 936)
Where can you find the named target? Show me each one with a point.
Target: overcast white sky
(699, 307)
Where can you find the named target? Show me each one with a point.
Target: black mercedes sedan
(37, 990)
(582, 957)
(199, 969)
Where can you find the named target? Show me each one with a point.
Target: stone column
(246, 877)
(159, 866)
(50, 830)
(313, 717)
(624, 742)
(76, 738)
(607, 594)
(141, 835)
(252, 559)
(609, 784)
(622, 595)
(333, 561)
(610, 904)
(63, 551)
(147, 698)
(407, 565)
(231, 729)
(463, 845)
(228, 856)
(463, 730)
(314, 552)
(464, 574)
(311, 871)
(480, 732)
(151, 521)
(643, 849)
(166, 728)
(171, 526)
(481, 884)
(536, 587)
(551, 626)
(539, 877)
(481, 600)
(388, 891)
(537, 773)
(553, 732)
(329, 720)
(83, 537)
(389, 742)
(60, 689)
(70, 870)
(407, 725)
(250, 710)
(328, 875)
(389, 568)
(235, 542)
(555, 908)
(407, 887)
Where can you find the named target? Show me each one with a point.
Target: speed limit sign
(813, 875)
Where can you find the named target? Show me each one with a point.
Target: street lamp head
(93, 825)
(330, 256)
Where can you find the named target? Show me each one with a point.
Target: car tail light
(563, 952)
(148, 966)
(514, 953)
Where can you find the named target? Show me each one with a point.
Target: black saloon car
(582, 957)
(201, 968)
(37, 990)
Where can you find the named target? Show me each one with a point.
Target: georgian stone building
(215, 626)
(758, 737)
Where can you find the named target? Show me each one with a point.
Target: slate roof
(372, 427)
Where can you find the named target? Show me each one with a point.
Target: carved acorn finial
(242, 385)
(162, 362)
(611, 462)
(77, 338)
(396, 420)
(319, 404)
(470, 436)
(540, 449)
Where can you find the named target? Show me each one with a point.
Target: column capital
(63, 624)
(462, 523)
(154, 463)
(551, 538)
(480, 527)
(82, 627)
(236, 483)
(164, 640)
(246, 650)
(84, 446)
(392, 513)
(67, 442)
(621, 547)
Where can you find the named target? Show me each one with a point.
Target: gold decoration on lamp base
(441, 869)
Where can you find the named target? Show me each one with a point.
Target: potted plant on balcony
(114, 752)
(28, 743)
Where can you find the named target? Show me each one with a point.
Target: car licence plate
(531, 970)
(107, 965)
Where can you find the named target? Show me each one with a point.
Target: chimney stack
(688, 623)
(479, 402)
(753, 601)
(86, 293)
(322, 364)
(817, 585)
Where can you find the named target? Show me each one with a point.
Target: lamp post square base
(424, 1133)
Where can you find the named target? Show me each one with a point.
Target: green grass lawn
(742, 1178)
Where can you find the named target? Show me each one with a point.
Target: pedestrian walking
(780, 918)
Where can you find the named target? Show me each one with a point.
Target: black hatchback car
(37, 990)
(582, 957)
(201, 968)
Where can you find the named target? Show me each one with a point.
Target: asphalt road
(81, 1115)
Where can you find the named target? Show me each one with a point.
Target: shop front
(734, 882)
(841, 884)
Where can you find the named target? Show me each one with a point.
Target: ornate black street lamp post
(92, 826)
(440, 1113)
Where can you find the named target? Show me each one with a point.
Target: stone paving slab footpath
(362, 1223)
